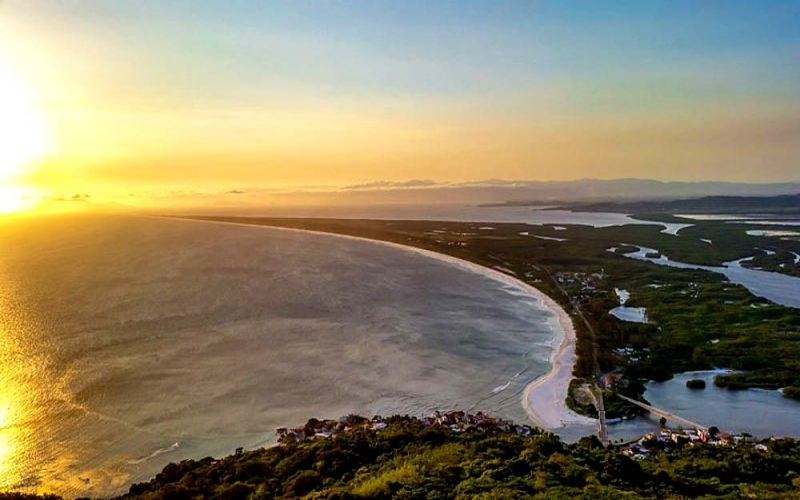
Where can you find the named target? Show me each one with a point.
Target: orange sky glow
(104, 100)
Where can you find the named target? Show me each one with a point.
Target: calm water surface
(761, 413)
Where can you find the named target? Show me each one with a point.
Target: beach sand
(544, 399)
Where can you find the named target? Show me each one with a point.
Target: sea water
(127, 343)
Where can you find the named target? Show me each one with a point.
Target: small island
(696, 383)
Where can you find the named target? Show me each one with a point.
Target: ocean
(127, 343)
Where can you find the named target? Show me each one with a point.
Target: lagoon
(779, 288)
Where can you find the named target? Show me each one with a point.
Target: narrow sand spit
(544, 399)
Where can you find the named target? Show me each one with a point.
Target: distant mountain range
(522, 193)
(785, 204)
(595, 190)
(492, 192)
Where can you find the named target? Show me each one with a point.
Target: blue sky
(345, 92)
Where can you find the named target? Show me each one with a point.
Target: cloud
(79, 197)
(413, 183)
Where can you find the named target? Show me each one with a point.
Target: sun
(22, 135)
(14, 199)
(23, 140)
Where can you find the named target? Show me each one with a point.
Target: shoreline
(544, 398)
(554, 385)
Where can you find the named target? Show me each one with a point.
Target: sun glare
(14, 199)
(22, 135)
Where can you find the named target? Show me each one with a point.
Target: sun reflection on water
(10, 400)
(7, 445)
(20, 388)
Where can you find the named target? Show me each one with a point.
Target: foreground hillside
(409, 459)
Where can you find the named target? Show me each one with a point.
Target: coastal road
(598, 400)
(576, 306)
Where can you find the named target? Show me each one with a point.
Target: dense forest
(407, 459)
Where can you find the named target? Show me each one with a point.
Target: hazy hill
(489, 192)
(786, 204)
(552, 192)
(422, 192)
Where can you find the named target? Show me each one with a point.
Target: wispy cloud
(77, 197)
(413, 183)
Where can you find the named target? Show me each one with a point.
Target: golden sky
(109, 98)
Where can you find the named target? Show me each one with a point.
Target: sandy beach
(544, 398)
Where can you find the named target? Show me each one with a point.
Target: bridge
(601, 413)
(597, 399)
(669, 416)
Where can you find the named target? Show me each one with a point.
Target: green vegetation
(729, 241)
(697, 319)
(696, 383)
(581, 401)
(411, 461)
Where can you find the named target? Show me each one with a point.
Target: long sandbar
(544, 398)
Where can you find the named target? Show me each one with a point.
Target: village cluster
(456, 420)
(631, 354)
(459, 421)
(581, 286)
(656, 442)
